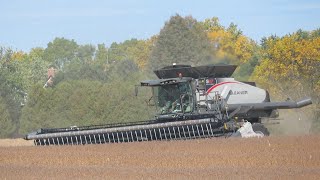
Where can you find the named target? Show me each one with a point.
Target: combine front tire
(260, 129)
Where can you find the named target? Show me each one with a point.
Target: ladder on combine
(206, 102)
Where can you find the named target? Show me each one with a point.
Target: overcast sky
(25, 24)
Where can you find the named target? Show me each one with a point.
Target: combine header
(191, 102)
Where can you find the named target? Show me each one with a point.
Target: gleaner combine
(191, 102)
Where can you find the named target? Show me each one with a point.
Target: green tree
(181, 40)
(135, 50)
(11, 91)
(61, 51)
(7, 126)
(212, 24)
(34, 68)
(79, 71)
(122, 70)
(84, 102)
(85, 53)
(101, 54)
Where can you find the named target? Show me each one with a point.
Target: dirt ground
(283, 157)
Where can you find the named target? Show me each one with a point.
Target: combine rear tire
(259, 128)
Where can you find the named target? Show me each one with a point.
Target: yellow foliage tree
(18, 55)
(229, 44)
(290, 65)
(141, 52)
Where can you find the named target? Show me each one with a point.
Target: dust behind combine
(283, 157)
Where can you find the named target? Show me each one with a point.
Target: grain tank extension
(191, 102)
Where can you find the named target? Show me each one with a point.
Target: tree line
(94, 84)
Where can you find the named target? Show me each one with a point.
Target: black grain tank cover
(207, 71)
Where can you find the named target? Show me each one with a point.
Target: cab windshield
(173, 98)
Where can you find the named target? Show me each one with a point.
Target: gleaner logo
(238, 92)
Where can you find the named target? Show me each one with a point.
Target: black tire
(259, 128)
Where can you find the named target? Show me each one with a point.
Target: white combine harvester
(191, 102)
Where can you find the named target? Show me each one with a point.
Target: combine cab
(191, 102)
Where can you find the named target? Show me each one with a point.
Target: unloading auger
(191, 102)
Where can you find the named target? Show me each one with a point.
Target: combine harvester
(191, 102)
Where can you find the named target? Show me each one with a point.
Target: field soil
(282, 157)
